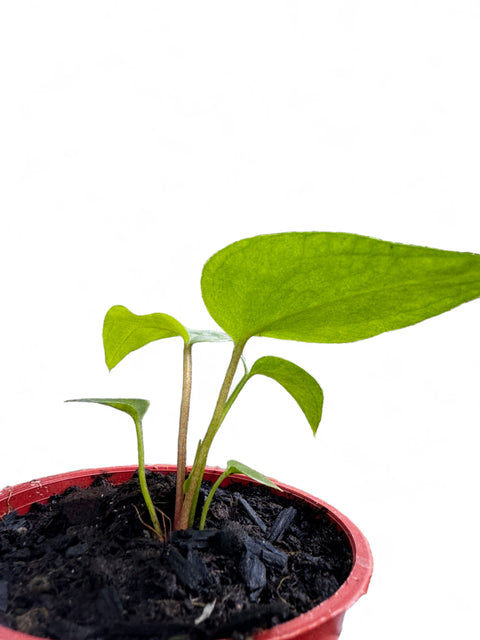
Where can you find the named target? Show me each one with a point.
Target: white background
(136, 139)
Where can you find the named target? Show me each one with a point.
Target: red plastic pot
(324, 622)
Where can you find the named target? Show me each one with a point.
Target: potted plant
(312, 287)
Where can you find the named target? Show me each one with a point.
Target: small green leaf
(124, 332)
(135, 407)
(332, 287)
(299, 384)
(233, 466)
(207, 335)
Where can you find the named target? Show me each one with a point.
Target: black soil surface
(85, 567)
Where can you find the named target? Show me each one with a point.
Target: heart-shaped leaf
(332, 287)
(124, 332)
(299, 384)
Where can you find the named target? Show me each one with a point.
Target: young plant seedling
(314, 287)
(233, 466)
(136, 408)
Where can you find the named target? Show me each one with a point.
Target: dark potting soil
(85, 566)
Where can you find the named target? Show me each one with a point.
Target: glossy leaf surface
(299, 384)
(332, 287)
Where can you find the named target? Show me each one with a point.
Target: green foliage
(332, 287)
(207, 335)
(124, 332)
(313, 287)
(233, 466)
(299, 384)
(136, 408)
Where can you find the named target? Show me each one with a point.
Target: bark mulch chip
(85, 567)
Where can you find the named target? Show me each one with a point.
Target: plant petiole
(195, 479)
(143, 480)
(206, 506)
(183, 430)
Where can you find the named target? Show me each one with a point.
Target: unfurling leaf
(332, 287)
(124, 332)
(299, 384)
(207, 335)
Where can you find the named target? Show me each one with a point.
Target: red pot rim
(22, 496)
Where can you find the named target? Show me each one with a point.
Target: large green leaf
(299, 384)
(332, 287)
(124, 332)
(135, 407)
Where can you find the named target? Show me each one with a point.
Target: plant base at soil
(86, 567)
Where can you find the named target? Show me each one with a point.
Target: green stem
(143, 479)
(190, 501)
(231, 399)
(183, 430)
(233, 396)
(206, 506)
